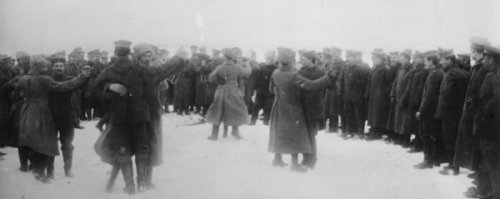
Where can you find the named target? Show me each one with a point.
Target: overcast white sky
(46, 26)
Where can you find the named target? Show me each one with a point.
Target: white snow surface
(195, 168)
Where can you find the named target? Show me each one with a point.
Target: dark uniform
(411, 102)
(334, 105)
(65, 119)
(378, 97)
(183, 96)
(353, 82)
(465, 147)
(451, 98)
(397, 111)
(430, 126)
(264, 98)
(313, 105)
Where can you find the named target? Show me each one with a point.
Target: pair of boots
(215, 132)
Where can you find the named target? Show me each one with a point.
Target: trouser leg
(359, 119)
(215, 132)
(428, 143)
(268, 105)
(66, 137)
(310, 159)
(23, 158)
(142, 150)
(450, 128)
(256, 108)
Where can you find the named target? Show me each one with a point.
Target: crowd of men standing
(433, 102)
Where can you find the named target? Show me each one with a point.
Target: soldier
(353, 82)
(486, 127)
(289, 131)
(379, 89)
(229, 105)
(399, 85)
(467, 151)
(451, 98)
(199, 63)
(334, 105)
(130, 130)
(264, 98)
(6, 74)
(430, 127)
(211, 86)
(73, 68)
(37, 130)
(64, 116)
(183, 92)
(411, 100)
(312, 104)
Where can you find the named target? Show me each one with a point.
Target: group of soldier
(433, 102)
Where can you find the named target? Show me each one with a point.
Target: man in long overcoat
(395, 123)
(353, 82)
(451, 98)
(264, 98)
(379, 89)
(334, 104)
(430, 127)
(466, 149)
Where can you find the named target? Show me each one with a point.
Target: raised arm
(55, 86)
(173, 66)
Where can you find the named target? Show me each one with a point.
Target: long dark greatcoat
(184, 88)
(379, 89)
(229, 105)
(200, 79)
(333, 102)
(398, 88)
(430, 95)
(5, 103)
(412, 98)
(154, 77)
(464, 151)
(313, 102)
(37, 127)
(289, 134)
(140, 105)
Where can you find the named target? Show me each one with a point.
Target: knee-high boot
(112, 177)
(23, 158)
(142, 164)
(215, 133)
(68, 161)
(149, 182)
(128, 177)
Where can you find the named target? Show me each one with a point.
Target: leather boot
(236, 133)
(149, 180)
(141, 164)
(215, 133)
(50, 168)
(128, 177)
(68, 162)
(112, 177)
(23, 159)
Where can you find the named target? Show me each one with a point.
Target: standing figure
(37, 127)
(379, 89)
(353, 83)
(430, 127)
(451, 98)
(64, 117)
(313, 103)
(399, 85)
(229, 105)
(334, 105)
(288, 128)
(412, 98)
(264, 98)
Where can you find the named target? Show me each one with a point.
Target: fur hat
(38, 62)
(141, 49)
(58, 57)
(122, 47)
(478, 43)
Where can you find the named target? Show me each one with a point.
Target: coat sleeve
(245, 71)
(55, 86)
(306, 84)
(171, 67)
(212, 77)
(451, 90)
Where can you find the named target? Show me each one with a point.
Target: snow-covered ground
(195, 168)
